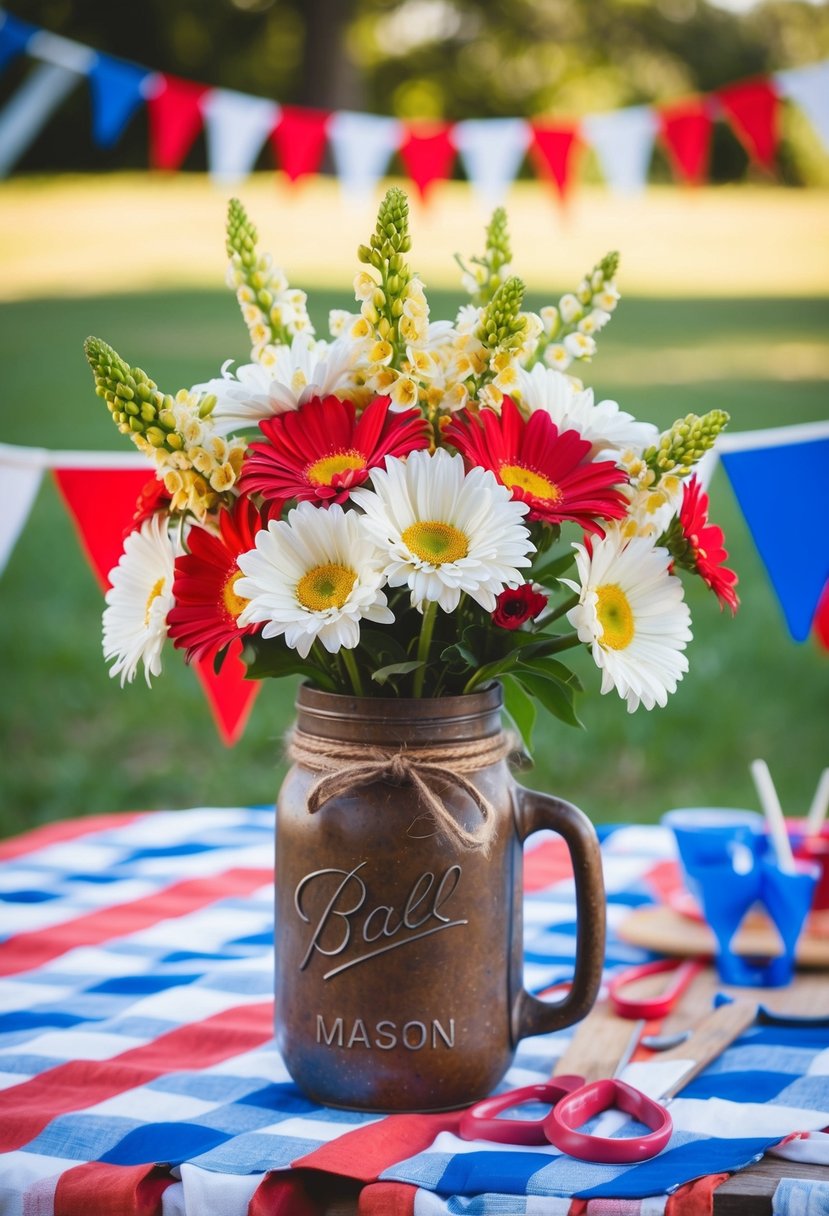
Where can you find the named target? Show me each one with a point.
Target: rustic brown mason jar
(399, 949)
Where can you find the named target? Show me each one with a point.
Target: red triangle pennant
(101, 503)
(821, 621)
(685, 129)
(175, 120)
(753, 110)
(428, 153)
(555, 150)
(299, 140)
(229, 694)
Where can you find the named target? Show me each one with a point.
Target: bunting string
(798, 569)
(490, 151)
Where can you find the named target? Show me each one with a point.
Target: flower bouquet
(412, 507)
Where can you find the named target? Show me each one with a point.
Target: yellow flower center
(322, 472)
(527, 479)
(436, 542)
(326, 586)
(233, 603)
(615, 617)
(155, 592)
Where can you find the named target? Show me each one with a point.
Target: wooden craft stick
(774, 815)
(716, 1031)
(599, 1043)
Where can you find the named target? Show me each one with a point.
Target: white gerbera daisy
(316, 575)
(604, 424)
(444, 531)
(633, 615)
(296, 373)
(141, 595)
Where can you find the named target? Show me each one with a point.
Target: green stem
(564, 641)
(353, 673)
(423, 645)
(564, 606)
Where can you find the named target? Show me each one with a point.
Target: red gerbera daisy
(204, 617)
(321, 451)
(548, 469)
(705, 542)
(152, 498)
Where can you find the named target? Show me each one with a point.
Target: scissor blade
(600, 1042)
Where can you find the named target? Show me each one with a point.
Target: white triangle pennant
(362, 146)
(809, 88)
(20, 472)
(623, 143)
(64, 52)
(236, 127)
(491, 151)
(29, 109)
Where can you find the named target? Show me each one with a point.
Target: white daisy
(604, 424)
(633, 616)
(296, 373)
(315, 575)
(445, 531)
(141, 595)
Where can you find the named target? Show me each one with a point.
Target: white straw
(774, 815)
(819, 807)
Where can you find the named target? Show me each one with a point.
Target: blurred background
(725, 303)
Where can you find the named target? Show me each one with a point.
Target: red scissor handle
(658, 1006)
(593, 1099)
(480, 1121)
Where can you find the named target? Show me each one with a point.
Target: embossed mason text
(412, 1035)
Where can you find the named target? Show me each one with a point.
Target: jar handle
(535, 811)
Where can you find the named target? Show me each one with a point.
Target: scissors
(659, 1006)
(572, 1102)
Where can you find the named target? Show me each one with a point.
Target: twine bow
(348, 766)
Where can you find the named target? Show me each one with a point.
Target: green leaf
(219, 658)
(383, 674)
(551, 568)
(552, 669)
(458, 653)
(556, 698)
(520, 707)
(268, 658)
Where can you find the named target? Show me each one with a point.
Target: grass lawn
(75, 743)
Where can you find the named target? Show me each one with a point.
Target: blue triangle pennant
(783, 491)
(14, 38)
(116, 95)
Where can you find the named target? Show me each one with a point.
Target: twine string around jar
(346, 766)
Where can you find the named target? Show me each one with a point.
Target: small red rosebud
(515, 605)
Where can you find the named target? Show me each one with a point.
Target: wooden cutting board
(667, 931)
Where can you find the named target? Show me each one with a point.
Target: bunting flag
(796, 558)
(229, 693)
(101, 533)
(491, 151)
(30, 108)
(555, 148)
(808, 88)
(174, 109)
(362, 146)
(822, 619)
(752, 109)
(92, 479)
(14, 38)
(685, 129)
(299, 140)
(428, 153)
(623, 142)
(20, 476)
(118, 89)
(236, 126)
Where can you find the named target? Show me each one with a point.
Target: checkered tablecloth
(138, 1072)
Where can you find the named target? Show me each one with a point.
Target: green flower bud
(687, 441)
